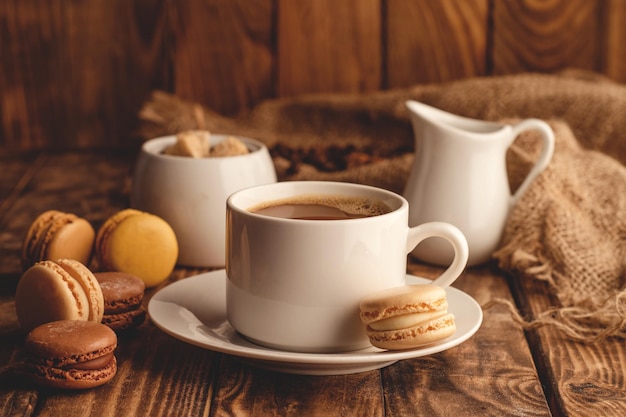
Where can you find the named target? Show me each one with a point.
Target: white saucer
(194, 311)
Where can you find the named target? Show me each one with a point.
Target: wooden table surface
(500, 371)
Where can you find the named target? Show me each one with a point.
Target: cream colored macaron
(407, 317)
(61, 290)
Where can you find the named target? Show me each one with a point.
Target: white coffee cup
(296, 284)
(190, 193)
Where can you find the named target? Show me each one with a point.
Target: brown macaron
(407, 317)
(71, 354)
(123, 295)
(57, 235)
(61, 290)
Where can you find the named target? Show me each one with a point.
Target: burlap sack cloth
(569, 228)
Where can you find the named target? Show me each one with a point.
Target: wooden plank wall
(73, 74)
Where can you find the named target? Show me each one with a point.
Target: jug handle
(547, 136)
(453, 235)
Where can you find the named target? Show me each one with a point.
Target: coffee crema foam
(321, 207)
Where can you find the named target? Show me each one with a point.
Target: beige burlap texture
(569, 228)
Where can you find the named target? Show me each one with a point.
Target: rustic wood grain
(104, 84)
(243, 390)
(543, 36)
(435, 41)
(75, 73)
(30, 72)
(222, 52)
(16, 172)
(614, 56)
(588, 377)
(465, 380)
(326, 45)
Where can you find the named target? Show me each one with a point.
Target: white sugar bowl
(190, 193)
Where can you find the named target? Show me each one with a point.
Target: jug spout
(453, 124)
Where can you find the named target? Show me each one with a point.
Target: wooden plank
(435, 41)
(495, 363)
(75, 73)
(107, 84)
(242, 390)
(17, 171)
(30, 73)
(588, 377)
(222, 52)
(14, 168)
(157, 376)
(614, 59)
(326, 45)
(545, 36)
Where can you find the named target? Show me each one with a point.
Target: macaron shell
(71, 354)
(122, 292)
(124, 321)
(401, 300)
(90, 286)
(35, 234)
(68, 342)
(55, 224)
(143, 245)
(73, 240)
(123, 296)
(107, 227)
(45, 293)
(425, 333)
(55, 234)
(35, 229)
(75, 379)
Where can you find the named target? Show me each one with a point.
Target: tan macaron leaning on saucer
(61, 290)
(58, 235)
(138, 243)
(407, 317)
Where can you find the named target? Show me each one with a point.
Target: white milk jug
(459, 176)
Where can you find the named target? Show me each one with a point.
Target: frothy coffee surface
(321, 207)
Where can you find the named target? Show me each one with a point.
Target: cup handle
(546, 154)
(453, 235)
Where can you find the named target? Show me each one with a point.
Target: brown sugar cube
(191, 143)
(230, 146)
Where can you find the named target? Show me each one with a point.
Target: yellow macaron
(137, 243)
(407, 317)
(56, 235)
(61, 290)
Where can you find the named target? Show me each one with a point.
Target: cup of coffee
(300, 255)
